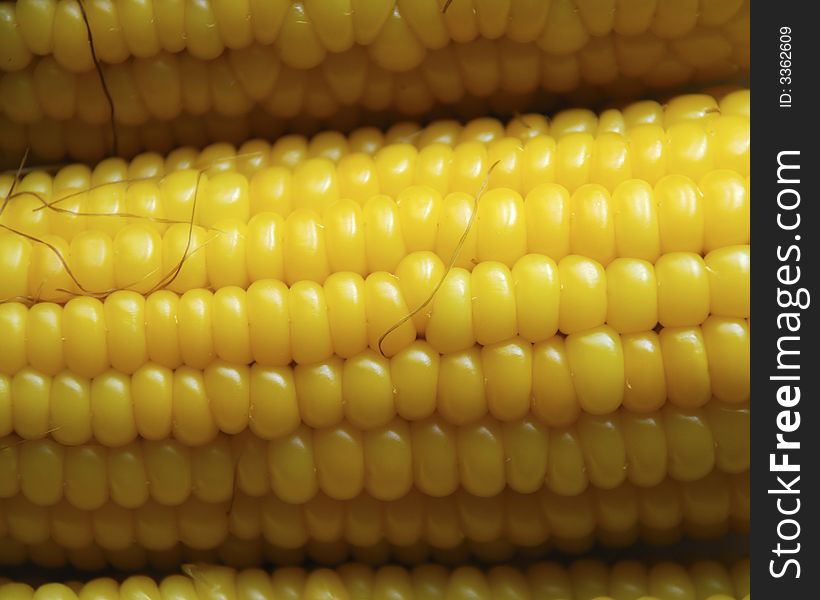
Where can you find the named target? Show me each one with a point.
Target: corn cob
(165, 85)
(690, 148)
(290, 150)
(274, 401)
(577, 293)
(395, 36)
(386, 462)
(635, 224)
(244, 554)
(630, 294)
(581, 580)
(704, 508)
(232, 248)
(49, 141)
(654, 474)
(594, 371)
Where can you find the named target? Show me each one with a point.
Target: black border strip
(785, 129)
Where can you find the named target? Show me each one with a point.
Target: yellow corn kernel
(697, 504)
(592, 228)
(681, 218)
(729, 268)
(724, 337)
(583, 287)
(685, 346)
(732, 148)
(644, 371)
(683, 289)
(726, 209)
(599, 388)
(632, 301)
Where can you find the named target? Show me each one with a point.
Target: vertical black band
(785, 360)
